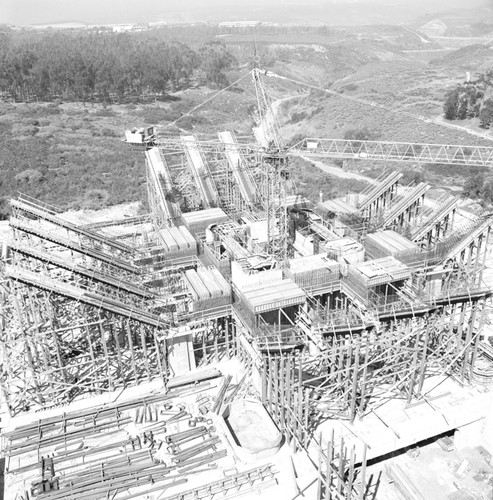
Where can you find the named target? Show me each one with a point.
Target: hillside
(70, 154)
(330, 12)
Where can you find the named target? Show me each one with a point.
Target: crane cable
(374, 104)
(188, 113)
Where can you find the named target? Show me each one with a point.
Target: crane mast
(274, 172)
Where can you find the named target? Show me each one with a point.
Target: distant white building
(122, 28)
(238, 24)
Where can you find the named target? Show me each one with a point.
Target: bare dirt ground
(110, 213)
(339, 172)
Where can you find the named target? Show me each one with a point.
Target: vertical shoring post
(477, 337)
(131, 350)
(226, 335)
(204, 347)
(330, 458)
(282, 396)
(288, 400)
(264, 380)
(330, 452)
(270, 382)
(111, 386)
(470, 250)
(332, 358)
(349, 492)
(299, 420)
(460, 326)
(453, 313)
(307, 417)
(412, 379)
(485, 253)
(341, 350)
(114, 327)
(477, 259)
(342, 460)
(347, 377)
(320, 457)
(91, 354)
(54, 335)
(144, 351)
(424, 355)
(355, 382)
(275, 386)
(161, 357)
(470, 327)
(365, 372)
(216, 347)
(363, 475)
(294, 403)
(327, 472)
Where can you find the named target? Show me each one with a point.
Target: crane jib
(396, 151)
(477, 156)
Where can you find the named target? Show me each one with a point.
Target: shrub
(106, 132)
(26, 130)
(76, 126)
(297, 117)
(5, 127)
(105, 112)
(474, 186)
(29, 175)
(486, 114)
(412, 176)
(350, 87)
(4, 208)
(155, 115)
(95, 199)
(360, 134)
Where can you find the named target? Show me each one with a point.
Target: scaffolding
(89, 308)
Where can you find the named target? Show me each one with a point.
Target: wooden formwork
(56, 348)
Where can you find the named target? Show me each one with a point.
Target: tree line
(105, 66)
(473, 99)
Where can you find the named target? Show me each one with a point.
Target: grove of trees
(471, 100)
(105, 66)
(479, 187)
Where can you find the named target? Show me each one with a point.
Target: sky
(25, 12)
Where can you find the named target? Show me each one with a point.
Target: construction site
(240, 339)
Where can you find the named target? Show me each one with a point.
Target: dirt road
(339, 172)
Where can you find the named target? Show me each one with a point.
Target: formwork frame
(55, 348)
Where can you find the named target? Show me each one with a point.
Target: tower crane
(273, 156)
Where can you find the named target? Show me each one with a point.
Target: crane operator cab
(141, 137)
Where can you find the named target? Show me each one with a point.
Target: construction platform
(352, 329)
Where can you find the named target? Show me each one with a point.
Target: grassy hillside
(71, 155)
